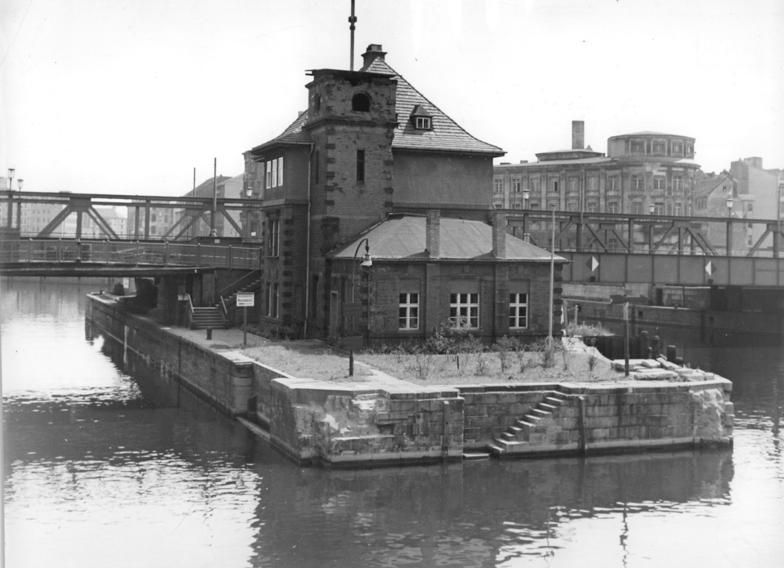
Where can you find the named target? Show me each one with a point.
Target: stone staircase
(530, 431)
(210, 317)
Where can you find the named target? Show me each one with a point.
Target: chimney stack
(499, 234)
(433, 233)
(578, 135)
(374, 51)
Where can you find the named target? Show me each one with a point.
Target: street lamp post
(367, 262)
(552, 280)
(730, 205)
(19, 185)
(10, 220)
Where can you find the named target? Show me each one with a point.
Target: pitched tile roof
(293, 134)
(403, 237)
(446, 134)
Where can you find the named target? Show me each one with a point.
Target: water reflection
(105, 469)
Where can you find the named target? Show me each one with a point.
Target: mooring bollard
(209, 333)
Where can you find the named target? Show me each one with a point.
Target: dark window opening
(360, 102)
(360, 166)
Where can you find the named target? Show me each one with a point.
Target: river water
(103, 469)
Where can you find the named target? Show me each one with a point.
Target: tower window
(360, 102)
(360, 166)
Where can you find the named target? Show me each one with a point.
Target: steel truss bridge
(139, 210)
(602, 247)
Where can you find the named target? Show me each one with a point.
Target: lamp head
(367, 261)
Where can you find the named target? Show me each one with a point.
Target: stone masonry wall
(224, 380)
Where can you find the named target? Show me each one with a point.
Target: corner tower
(351, 123)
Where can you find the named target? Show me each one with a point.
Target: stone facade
(342, 167)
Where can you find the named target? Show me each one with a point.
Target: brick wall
(434, 281)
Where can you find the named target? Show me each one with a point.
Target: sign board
(245, 299)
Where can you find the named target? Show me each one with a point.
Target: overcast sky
(128, 96)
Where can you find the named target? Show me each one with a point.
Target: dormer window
(421, 119)
(423, 123)
(360, 102)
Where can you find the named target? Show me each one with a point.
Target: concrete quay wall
(225, 380)
(348, 423)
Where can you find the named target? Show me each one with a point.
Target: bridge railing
(129, 253)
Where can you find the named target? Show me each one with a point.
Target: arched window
(360, 102)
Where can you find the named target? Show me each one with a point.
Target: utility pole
(213, 232)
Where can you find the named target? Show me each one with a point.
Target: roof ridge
(400, 77)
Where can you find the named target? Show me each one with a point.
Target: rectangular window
(516, 185)
(612, 207)
(614, 183)
(267, 174)
(592, 183)
(573, 184)
(554, 185)
(273, 237)
(422, 123)
(535, 184)
(518, 311)
(678, 209)
(498, 186)
(637, 183)
(272, 300)
(658, 182)
(676, 184)
(280, 171)
(360, 166)
(408, 311)
(464, 310)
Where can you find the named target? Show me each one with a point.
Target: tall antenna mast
(352, 19)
